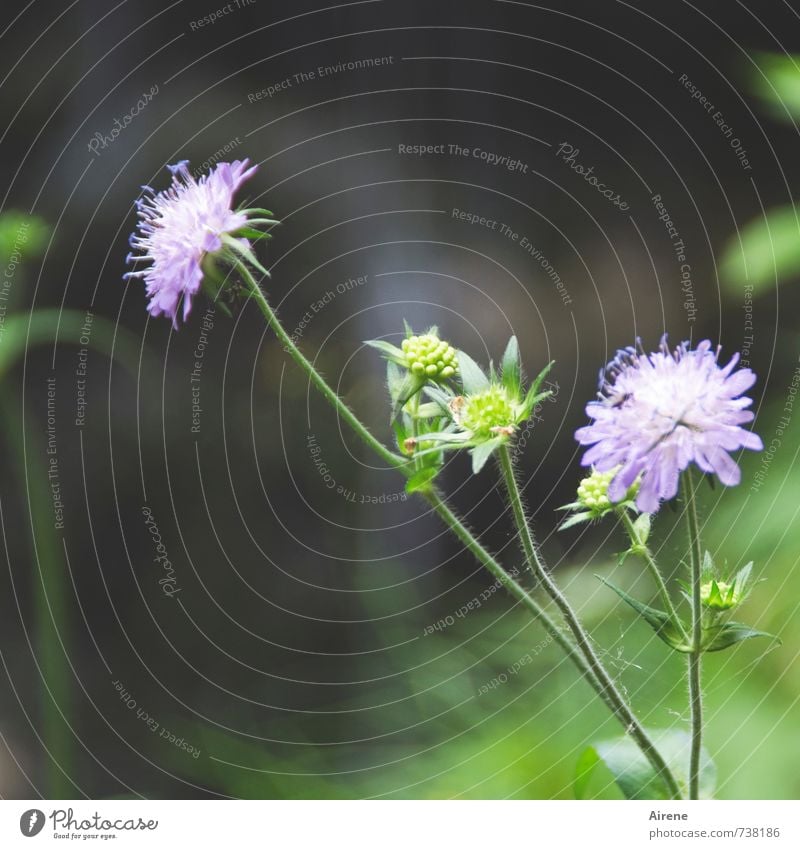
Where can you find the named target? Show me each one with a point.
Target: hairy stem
(613, 696)
(643, 551)
(589, 668)
(316, 378)
(694, 658)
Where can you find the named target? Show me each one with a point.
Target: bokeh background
(305, 638)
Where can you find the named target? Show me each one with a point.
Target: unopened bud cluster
(488, 413)
(593, 491)
(719, 595)
(429, 356)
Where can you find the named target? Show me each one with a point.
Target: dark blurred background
(287, 649)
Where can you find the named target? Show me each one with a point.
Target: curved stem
(646, 554)
(316, 378)
(514, 588)
(695, 690)
(591, 670)
(621, 708)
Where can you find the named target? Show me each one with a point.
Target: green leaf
(707, 569)
(727, 634)
(633, 773)
(439, 397)
(511, 368)
(742, 578)
(481, 453)
(421, 480)
(777, 84)
(21, 331)
(252, 233)
(258, 210)
(394, 353)
(534, 396)
(405, 390)
(473, 378)
(658, 620)
(575, 519)
(430, 410)
(237, 247)
(765, 253)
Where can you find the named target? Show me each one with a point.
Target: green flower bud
(719, 595)
(488, 414)
(593, 492)
(429, 356)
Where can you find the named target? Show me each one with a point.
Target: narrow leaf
(392, 351)
(727, 634)
(482, 452)
(575, 519)
(511, 369)
(472, 377)
(658, 620)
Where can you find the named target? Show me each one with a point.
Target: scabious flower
(181, 225)
(658, 413)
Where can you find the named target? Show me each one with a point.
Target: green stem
(694, 659)
(621, 708)
(316, 378)
(514, 588)
(578, 657)
(642, 550)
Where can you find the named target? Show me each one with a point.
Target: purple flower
(659, 412)
(179, 226)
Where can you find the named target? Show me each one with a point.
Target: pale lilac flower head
(659, 412)
(179, 226)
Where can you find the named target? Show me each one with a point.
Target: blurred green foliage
(767, 250)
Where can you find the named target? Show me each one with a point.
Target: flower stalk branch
(639, 547)
(694, 657)
(613, 696)
(582, 655)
